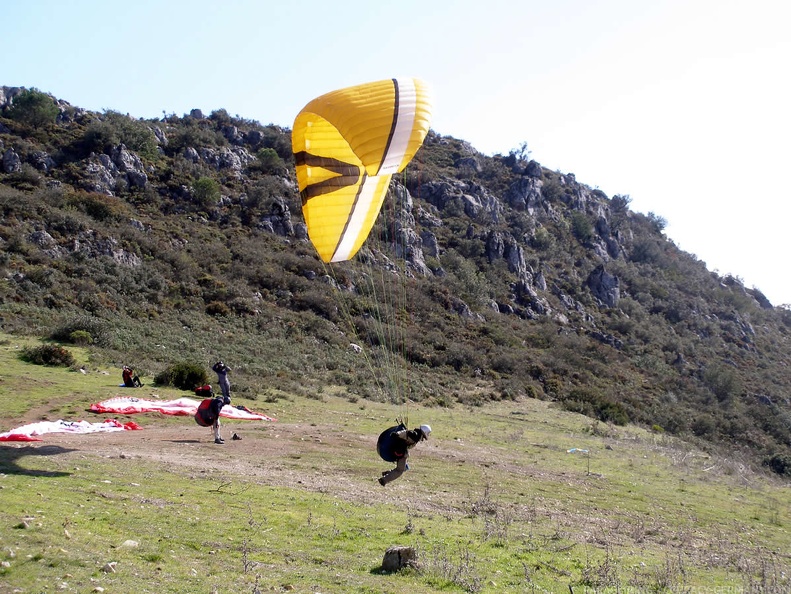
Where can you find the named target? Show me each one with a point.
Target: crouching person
(208, 414)
(394, 445)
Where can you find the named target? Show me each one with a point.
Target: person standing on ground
(221, 369)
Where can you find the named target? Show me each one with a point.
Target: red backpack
(204, 416)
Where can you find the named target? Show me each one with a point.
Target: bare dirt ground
(317, 456)
(310, 456)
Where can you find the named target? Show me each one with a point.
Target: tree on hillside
(206, 191)
(33, 108)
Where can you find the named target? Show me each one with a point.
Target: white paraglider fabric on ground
(32, 431)
(127, 405)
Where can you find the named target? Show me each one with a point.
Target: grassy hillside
(494, 502)
(487, 279)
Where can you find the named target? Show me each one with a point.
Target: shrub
(87, 328)
(270, 162)
(218, 308)
(27, 178)
(581, 227)
(620, 203)
(33, 108)
(206, 191)
(80, 337)
(779, 464)
(542, 240)
(657, 222)
(98, 206)
(318, 302)
(115, 128)
(723, 382)
(646, 252)
(594, 404)
(48, 354)
(183, 375)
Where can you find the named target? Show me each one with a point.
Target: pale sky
(681, 104)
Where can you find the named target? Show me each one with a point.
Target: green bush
(206, 191)
(33, 108)
(542, 240)
(87, 328)
(270, 162)
(80, 337)
(48, 354)
(183, 375)
(592, 403)
(581, 227)
(115, 128)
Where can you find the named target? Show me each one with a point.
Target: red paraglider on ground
(126, 405)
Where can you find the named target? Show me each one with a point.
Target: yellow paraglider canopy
(347, 144)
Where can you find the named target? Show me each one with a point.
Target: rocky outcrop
(102, 173)
(760, 298)
(233, 158)
(466, 197)
(11, 161)
(130, 165)
(42, 161)
(604, 286)
(525, 194)
(99, 175)
(408, 243)
(7, 95)
(278, 220)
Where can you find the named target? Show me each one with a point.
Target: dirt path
(310, 457)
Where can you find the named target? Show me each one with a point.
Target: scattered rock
(109, 567)
(399, 557)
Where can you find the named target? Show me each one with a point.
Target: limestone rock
(604, 286)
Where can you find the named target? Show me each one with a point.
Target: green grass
(494, 502)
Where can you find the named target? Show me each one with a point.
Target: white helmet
(425, 430)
